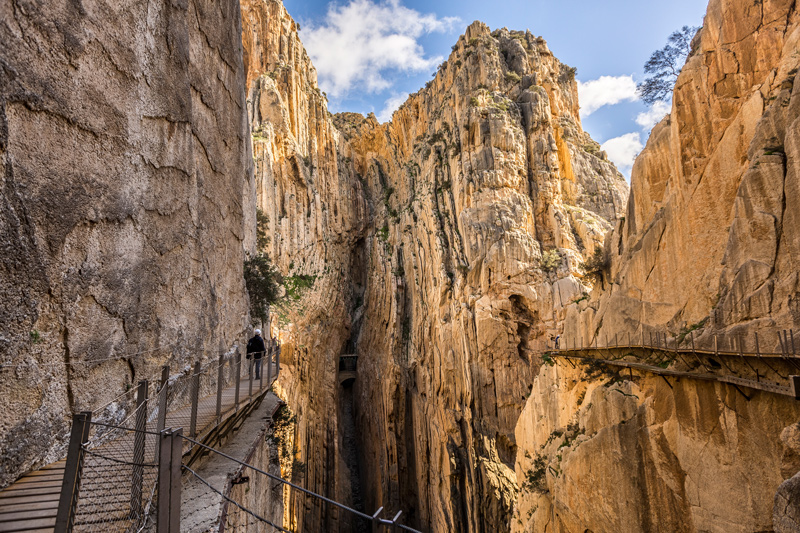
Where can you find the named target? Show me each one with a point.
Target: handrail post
(250, 366)
(269, 365)
(261, 371)
(71, 484)
(791, 333)
(138, 449)
(396, 520)
(162, 404)
(220, 380)
(168, 513)
(376, 521)
(195, 398)
(238, 378)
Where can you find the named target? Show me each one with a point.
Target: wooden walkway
(31, 503)
(769, 362)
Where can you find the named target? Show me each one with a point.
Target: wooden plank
(48, 478)
(39, 498)
(26, 525)
(38, 483)
(41, 506)
(25, 514)
(29, 492)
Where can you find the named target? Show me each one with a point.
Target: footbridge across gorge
(736, 360)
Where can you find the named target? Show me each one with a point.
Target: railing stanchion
(195, 398)
(376, 521)
(71, 484)
(396, 520)
(261, 371)
(220, 385)
(250, 365)
(168, 512)
(163, 390)
(269, 365)
(791, 333)
(137, 475)
(238, 378)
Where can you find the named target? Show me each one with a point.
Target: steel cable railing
(113, 462)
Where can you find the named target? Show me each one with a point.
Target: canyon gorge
(446, 249)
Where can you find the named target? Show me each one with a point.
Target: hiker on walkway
(558, 338)
(256, 348)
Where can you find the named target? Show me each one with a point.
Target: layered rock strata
(126, 202)
(315, 213)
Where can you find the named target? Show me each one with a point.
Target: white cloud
(358, 42)
(622, 150)
(391, 105)
(605, 90)
(653, 116)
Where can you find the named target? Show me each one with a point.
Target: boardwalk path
(31, 503)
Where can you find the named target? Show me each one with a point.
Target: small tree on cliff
(262, 279)
(665, 65)
(263, 282)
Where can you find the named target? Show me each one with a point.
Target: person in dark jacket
(256, 349)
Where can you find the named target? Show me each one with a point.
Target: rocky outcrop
(709, 244)
(125, 204)
(486, 197)
(600, 451)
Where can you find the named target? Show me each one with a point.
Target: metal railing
(374, 521)
(119, 453)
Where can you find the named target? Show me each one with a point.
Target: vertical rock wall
(486, 198)
(709, 244)
(126, 198)
(710, 235)
(315, 211)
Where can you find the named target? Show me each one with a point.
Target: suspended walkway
(736, 360)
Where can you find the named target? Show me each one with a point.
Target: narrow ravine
(350, 453)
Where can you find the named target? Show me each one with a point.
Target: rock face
(125, 201)
(710, 236)
(316, 213)
(606, 452)
(441, 248)
(710, 242)
(486, 196)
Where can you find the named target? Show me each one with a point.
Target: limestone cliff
(710, 235)
(486, 196)
(441, 248)
(125, 204)
(709, 243)
(315, 211)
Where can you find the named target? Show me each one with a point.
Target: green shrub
(550, 260)
(512, 77)
(535, 479)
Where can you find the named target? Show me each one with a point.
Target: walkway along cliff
(442, 251)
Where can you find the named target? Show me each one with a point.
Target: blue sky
(371, 53)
